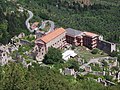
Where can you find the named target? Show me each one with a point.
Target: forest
(101, 16)
(15, 76)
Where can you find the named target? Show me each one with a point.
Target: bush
(95, 51)
(114, 54)
(73, 47)
(53, 56)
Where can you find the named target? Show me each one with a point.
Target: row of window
(58, 41)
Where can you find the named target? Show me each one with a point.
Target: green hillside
(102, 16)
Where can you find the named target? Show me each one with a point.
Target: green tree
(95, 51)
(114, 54)
(73, 64)
(4, 35)
(13, 76)
(53, 56)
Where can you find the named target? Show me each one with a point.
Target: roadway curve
(51, 23)
(27, 23)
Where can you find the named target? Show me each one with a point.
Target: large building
(78, 38)
(54, 39)
(60, 37)
(90, 40)
(74, 37)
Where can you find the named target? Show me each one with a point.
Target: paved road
(51, 23)
(40, 27)
(27, 21)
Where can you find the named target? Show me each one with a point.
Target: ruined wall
(106, 46)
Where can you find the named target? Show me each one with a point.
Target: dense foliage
(95, 51)
(102, 17)
(15, 76)
(11, 21)
(53, 56)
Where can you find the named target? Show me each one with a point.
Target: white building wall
(57, 42)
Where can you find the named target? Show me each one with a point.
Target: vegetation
(114, 54)
(15, 76)
(53, 56)
(95, 51)
(11, 21)
(95, 67)
(86, 54)
(101, 17)
(73, 64)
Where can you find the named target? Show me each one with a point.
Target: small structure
(34, 25)
(25, 42)
(4, 55)
(67, 54)
(88, 69)
(106, 46)
(68, 71)
(21, 35)
(39, 34)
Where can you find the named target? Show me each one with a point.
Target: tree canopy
(14, 76)
(53, 56)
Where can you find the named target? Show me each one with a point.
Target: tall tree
(53, 56)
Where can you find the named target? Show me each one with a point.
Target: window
(4, 54)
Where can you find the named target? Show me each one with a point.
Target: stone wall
(106, 46)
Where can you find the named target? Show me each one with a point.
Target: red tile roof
(34, 25)
(50, 36)
(89, 34)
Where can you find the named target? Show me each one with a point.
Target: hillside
(101, 16)
(20, 67)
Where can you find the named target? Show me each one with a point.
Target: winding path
(40, 27)
(27, 21)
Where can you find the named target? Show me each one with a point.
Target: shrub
(95, 51)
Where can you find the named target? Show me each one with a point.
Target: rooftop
(52, 35)
(89, 34)
(73, 32)
(34, 25)
(67, 54)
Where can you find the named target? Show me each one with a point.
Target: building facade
(106, 46)
(54, 39)
(90, 40)
(74, 37)
(60, 37)
(78, 38)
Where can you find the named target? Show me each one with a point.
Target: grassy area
(47, 27)
(29, 38)
(86, 54)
